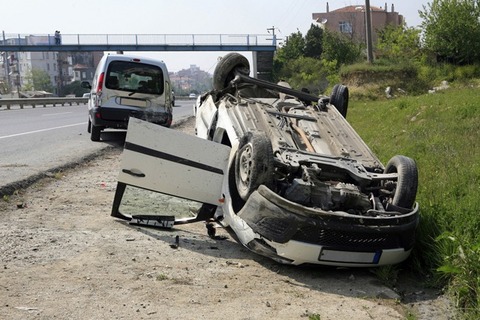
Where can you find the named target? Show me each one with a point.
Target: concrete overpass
(262, 46)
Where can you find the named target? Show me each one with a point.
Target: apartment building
(351, 20)
(62, 67)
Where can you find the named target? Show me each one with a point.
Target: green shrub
(442, 133)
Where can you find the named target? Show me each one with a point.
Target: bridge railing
(140, 39)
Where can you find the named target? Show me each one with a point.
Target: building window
(345, 27)
(48, 66)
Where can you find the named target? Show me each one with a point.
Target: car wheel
(227, 67)
(89, 127)
(339, 98)
(253, 164)
(405, 188)
(95, 134)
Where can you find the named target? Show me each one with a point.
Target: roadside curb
(10, 188)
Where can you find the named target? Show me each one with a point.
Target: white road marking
(42, 130)
(55, 114)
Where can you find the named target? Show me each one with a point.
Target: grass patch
(442, 133)
(162, 277)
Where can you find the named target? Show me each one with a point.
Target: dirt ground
(63, 257)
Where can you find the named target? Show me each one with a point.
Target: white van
(128, 86)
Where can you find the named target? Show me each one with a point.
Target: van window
(134, 77)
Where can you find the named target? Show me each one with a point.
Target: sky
(179, 17)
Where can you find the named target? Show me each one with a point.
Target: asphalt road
(34, 141)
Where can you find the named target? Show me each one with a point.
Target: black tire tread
(407, 183)
(339, 98)
(262, 167)
(226, 68)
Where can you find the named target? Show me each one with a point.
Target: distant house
(82, 72)
(351, 20)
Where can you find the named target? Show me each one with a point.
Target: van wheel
(95, 133)
(339, 98)
(253, 163)
(89, 127)
(226, 69)
(404, 190)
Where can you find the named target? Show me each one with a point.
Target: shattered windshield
(134, 77)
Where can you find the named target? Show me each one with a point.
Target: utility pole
(6, 64)
(368, 19)
(274, 37)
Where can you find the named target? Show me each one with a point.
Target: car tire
(253, 163)
(95, 133)
(226, 69)
(405, 190)
(339, 98)
(89, 127)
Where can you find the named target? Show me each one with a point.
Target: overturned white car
(282, 168)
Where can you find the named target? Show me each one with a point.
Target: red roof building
(351, 20)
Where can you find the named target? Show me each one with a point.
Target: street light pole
(368, 19)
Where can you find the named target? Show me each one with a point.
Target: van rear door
(133, 87)
(178, 165)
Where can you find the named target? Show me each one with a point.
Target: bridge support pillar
(263, 64)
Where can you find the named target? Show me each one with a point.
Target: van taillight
(100, 83)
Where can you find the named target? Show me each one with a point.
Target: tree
(74, 88)
(452, 29)
(339, 48)
(313, 42)
(294, 48)
(397, 43)
(39, 80)
(304, 73)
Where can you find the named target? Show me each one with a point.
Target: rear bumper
(295, 234)
(118, 119)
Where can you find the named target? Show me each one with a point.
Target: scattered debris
(389, 92)
(211, 229)
(176, 244)
(443, 86)
(236, 264)
(21, 205)
(26, 308)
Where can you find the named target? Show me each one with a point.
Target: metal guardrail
(34, 102)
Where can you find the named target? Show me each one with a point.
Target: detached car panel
(298, 184)
(170, 162)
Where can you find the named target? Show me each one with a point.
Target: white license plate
(350, 256)
(133, 102)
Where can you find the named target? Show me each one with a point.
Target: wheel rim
(245, 165)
